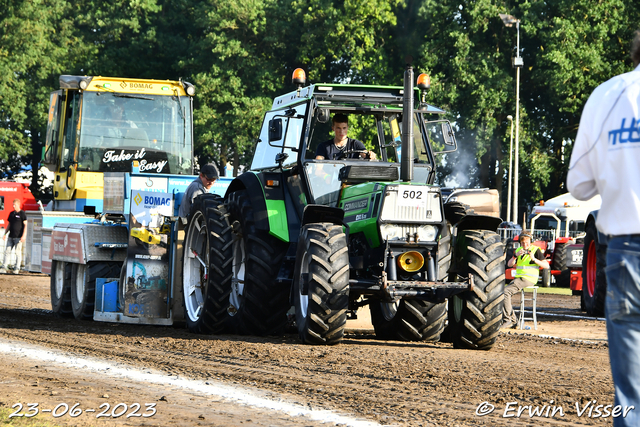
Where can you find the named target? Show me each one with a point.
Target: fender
(478, 222)
(268, 202)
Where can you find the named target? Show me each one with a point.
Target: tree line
(241, 53)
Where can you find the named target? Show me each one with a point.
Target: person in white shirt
(606, 161)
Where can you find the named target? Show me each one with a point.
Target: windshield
(380, 132)
(119, 129)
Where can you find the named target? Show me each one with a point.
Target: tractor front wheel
(321, 284)
(475, 315)
(206, 266)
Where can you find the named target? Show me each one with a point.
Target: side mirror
(275, 130)
(448, 135)
(323, 115)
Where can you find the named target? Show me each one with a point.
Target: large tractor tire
(321, 284)
(259, 303)
(455, 211)
(475, 316)
(206, 266)
(83, 285)
(61, 289)
(594, 280)
(408, 320)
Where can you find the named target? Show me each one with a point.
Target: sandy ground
(562, 364)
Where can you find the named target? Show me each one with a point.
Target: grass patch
(37, 421)
(552, 290)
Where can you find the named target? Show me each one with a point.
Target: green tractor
(331, 236)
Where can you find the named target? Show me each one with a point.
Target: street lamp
(517, 63)
(510, 118)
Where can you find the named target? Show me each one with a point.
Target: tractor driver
(528, 259)
(333, 149)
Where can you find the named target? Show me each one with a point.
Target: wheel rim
(591, 269)
(457, 308)
(194, 273)
(303, 300)
(389, 309)
(80, 280)
(238, 271)
(59, 279)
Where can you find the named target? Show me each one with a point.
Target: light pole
(517, 63)
(510, 118)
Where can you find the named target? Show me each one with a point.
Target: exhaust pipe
(406, 164)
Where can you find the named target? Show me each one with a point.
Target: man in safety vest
(528, 259)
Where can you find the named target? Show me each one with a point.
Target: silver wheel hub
(239, 272)
(303, 300)
(195, 266)
(80, 281)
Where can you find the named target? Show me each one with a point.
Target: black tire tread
(594, 304)
(214, 313)
(328, 292)
(415, 320)
(265, 302)
(455, 211)
(481, 312)
(83, 310)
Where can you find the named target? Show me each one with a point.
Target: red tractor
(9, 191)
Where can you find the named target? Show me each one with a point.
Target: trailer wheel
(475, 316)
(594, 280)
(321, 284)
(206, 284)
(83, 285)
(61, 289)
(408, 320)
(258, 302)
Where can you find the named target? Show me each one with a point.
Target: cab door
(64, 184)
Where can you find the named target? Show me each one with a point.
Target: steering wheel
(345, 153)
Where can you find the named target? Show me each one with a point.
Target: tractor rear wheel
(61, 289)
(259, 304)
(594, 280)
(455, 211)
(83, 285)
(560, 263)
(475, 316)
(321, 284)
(206, 266)
(408, 320)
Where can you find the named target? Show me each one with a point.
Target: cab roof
(374, 98)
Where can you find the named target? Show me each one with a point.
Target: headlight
(391, 232)
(427, 233)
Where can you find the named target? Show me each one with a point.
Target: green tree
(37, 42)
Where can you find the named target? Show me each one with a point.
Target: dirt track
(394, 383)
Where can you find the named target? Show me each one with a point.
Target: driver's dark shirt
(329, 151)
